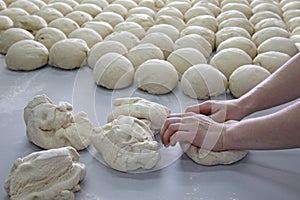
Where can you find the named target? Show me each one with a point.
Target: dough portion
(116, 8)
(64, 24)
(144, 20)
(89, 8)
(47, 175)
(127, 38)
(206, 21)
(229, 32)
(79, 17)
(141, 10)
(49, 36)
(257, 17)
(90, 36)
(167, 29)
(5, 23)
(229, 15)
(169, 11)
(103, 28)
(110, 17)
(126, 144)
(49, 14)
(31, 23)
(206, 33)
(171, 20)
(28, 6)
(141, 109)
(267, 33)
(280, 44)
(131, 27)
(14, 13)
(237, 22)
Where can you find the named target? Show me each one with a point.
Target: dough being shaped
(28, 6)
(229, 32)
(89, 8)
(143, 52)
(182, 6)
(71, 3)
(202, 81)
(90, 36)
(156, 76)
(50, 174)
(171, 20)
(271, 60)
(60, 6)
(131, 27)
(68, 54)
(113, 71)
(126, 144)
(127, 4)
(169, 11)
(14, 13)
(64, 24)
(267, 7)
(31, 23)
(53, 126)
(272, 22)
(257, 17)
(184, 58)
(237, 22)
(127, 38)
(5, 23)
(208, 34)
(223, 60)
(49, 36)
(110, 17)
(290, 14)
(116, 8)
(79, 17)
(142, 19)
(141, 10)
(206, 21)
(49, 14)
(11, 36)
(167, 29)
(197, 11)
(246, 77)
(26, 55)
(241, 43)
(141, 109)
(238, 6)
(102, 48)
(267, 33)
(103, 28)
(280, 44)
(229, 15)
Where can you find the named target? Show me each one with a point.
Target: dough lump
(167, 29)
(5, 23)
(206, 21)
(171, 20)
(89, 8)
(229, 32)
(267, 33)
(90, 36)
(280, 44)
(206, 33)
(14, 13)
(64, 24)
(31, 23)
(128, 39)
(110, 17)
(131, 27)
(79, 17)
(103, 28)
(49, 36)
(49, 14)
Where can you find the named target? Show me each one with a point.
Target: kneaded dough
(210, 5)
(60, 6)
(206, 33)
(5, 23)
(237, 22)
(290, 14)
(79, 17)
(197, 11)
(28, 6)
(293, 23)
(110, 17)
(155, 5)
(71, 3)
(126, 144)
(128, 39)
(31, 23)
(229, 15)
(257, 17)
(245, 9)
(267, 7)
(127, 4)
(103, 28)
(229, 32)
(53, 126)
(267, 33)
(49, 36)
(26, 55)
(280, 44)
(141, 109)
(182, 6)
(141, 10)
(64, 24)
(89, 8)
(49, 14)
(47, 175)
(202, 81)
(246, 77)
(101, 3)
(270, 22)
(90, 36)
(206, 21)
(144, 20)
(14, 13)
(68, 53)
(169, 11)
(131, 27)
(171, 20)
(167, 29)
(113, 71)
(156, 76)
(116, 8)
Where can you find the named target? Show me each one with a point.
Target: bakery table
(262, 175)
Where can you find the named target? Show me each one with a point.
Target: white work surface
(263, 175)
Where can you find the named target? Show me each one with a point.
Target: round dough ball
(127, 38)
(103, 28)
(113, 71)
(5, 23)
(215, 2)
(2, 5)
(131, 27)
(49, 36)
(49, 14)
(110, 17)
(184, 58)
(79, 17)
(142, 19)
(171, 20)
(296, 31)
(290, 14)
(237, 22)
(267, 7)
(241, 43)
(64, 24)
(31, 23)
(169, 11)
(127, 4)
(206, 33)
(228, 60)
(272, 22)
(88, 8)
(26, 55)
(280, 44)
(224, 2)
(60, 6)
(293, 23)
(229, 15)
(141, 10)
(14, 13)
(39, 3)
(90, 36)
(257, 2)
(284, 2)
(246, 77)
(197, 11)
(229, 32)
(291, 6)
(167, 29)
(257, 17)
(271, 60)
(156, 76)
(71, 3)
(143, 52)
(212, 7)
(28, 6)
(11, 36)
(155, 5)
(68, 53)
(238, 6)
(182, 6)
(116, 8)
(295, 38)
(102, 48)
(207, 21)
(100, 3)
(264, 34)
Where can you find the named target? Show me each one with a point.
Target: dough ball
(254, 3)
(272, 22)
(291, 6)
(290, 14)
(39, 3)
(79, 17)
(60, 6)
(103, 28)
(212, 7)
(202, 81)
(224, 2)
(142, 19)
(223, 60)
(156, 76)
(268, 7)
(245, 9)
(126, 144)
(296, 31)
(207, 21)
(2, 5)
(271, 60)
(197, 11)
(5, 23)
(171, 20)
(113, 71)
(110, 17)
(88, 8)
(28, 6)
(26, 55)
(64, 24)
(102, 48)
(161, 40)
(295, 38)
(31, 23)
(127, 4)
(167, 29)
(68, 53)
(229, 32)
(116, 8)
(37, 175)
(155, 5)
(206, 33)
(43, 117)
(182, 6)
(169, 11)
(229, 15)
(127, 38)
(90, 36)
(143, 52)
(141, 109)
(280, 44)
(11, 36)
(49, 14)
(131, 27)
(71, 3)
(293, 23)
(237, 22)
(49, 36)
(264, 34)
(241, 43)
(246, 77)
(101, 3)
(14, 13)
(141, 10)
(257, 17)
(284, 2)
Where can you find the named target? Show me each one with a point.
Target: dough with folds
(79, 17)
(47, 175)
(52, 126)
(206, 21)
(126, 144)
(110, 17)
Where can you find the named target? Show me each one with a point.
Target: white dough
(49, 14)
(257, 17)
(39, 3)
(171, 20)
(237, 22)
(116, 8)
(245, 9)
(28, 6)
(167, 29)
(2, 5)
(229, 32)
(156, 76)
(49, 36)
(89, 8)
(293, 23)
(169, 11)
(267, 7)
(290, 14)
(47, 175)
(224, 2)
(206, 33)
(64, 24)
(207, 21)
(101, 3)
(141, 10)
(71, 3)
(155, 5)
(280, 44)
(79, 17)
(90, 36)
(14, 13)
(131, 27)
(230, 14)
(272, 22)
(60, 6)
(254, 3)
(110, 17)
(182, 6)
(5, 23)
(103, 28)
(31, 23)
(127, 4)
(211, 6)
(267, 33)
(197, 11)
(127, 38)
(52, 126)
(144, 20)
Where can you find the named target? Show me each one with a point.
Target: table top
(261, 175)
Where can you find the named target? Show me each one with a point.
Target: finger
(173, 128)
(203, 108)
(182, 136)
(167, 123)
(181, 115)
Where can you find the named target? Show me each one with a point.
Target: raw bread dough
(229, 15)
(89, 8)
(49, 14)
(264, 34)
(229, 32)
(64, 24)
(141, 109)
(110, 17)
(167, 29)
(126, 144)
(102, 48)
(254, 3)
(14, 13)
(11, 36)
(202, 81)
(90, 36)
(206, 21)
(68, 54)
(71, 3)
(280, 44)
(79, 17)
(271, 60)
(171, 20)
(246, 77)
(39, 3)
(238, 6)
(103, 28)
(211, 6)
(47, 175)
(2, 5)
(293, 23)
(5, 23)
(141, 10)
(49, 36)
(101, 3)
(28, 6)
(295, 5)
(182, 6)
(169, 11)
(31, 23)
(60, 6)
(127, 4)
(267, 7)
(131, 27)
(184, 58)
(197, 11)
(116, 8)
(127, 38)
(26, 55)
(228, 60)
(156, 76)
(142, 19)
(52, 126)
(155, 5)
(269, 22)
(224, 2)
(237, 22)
(290, 14)
(206, 33)
(257, 17)
(113, 71)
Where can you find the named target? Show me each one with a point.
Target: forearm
(280, 130)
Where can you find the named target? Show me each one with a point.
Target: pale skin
(279, 130)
